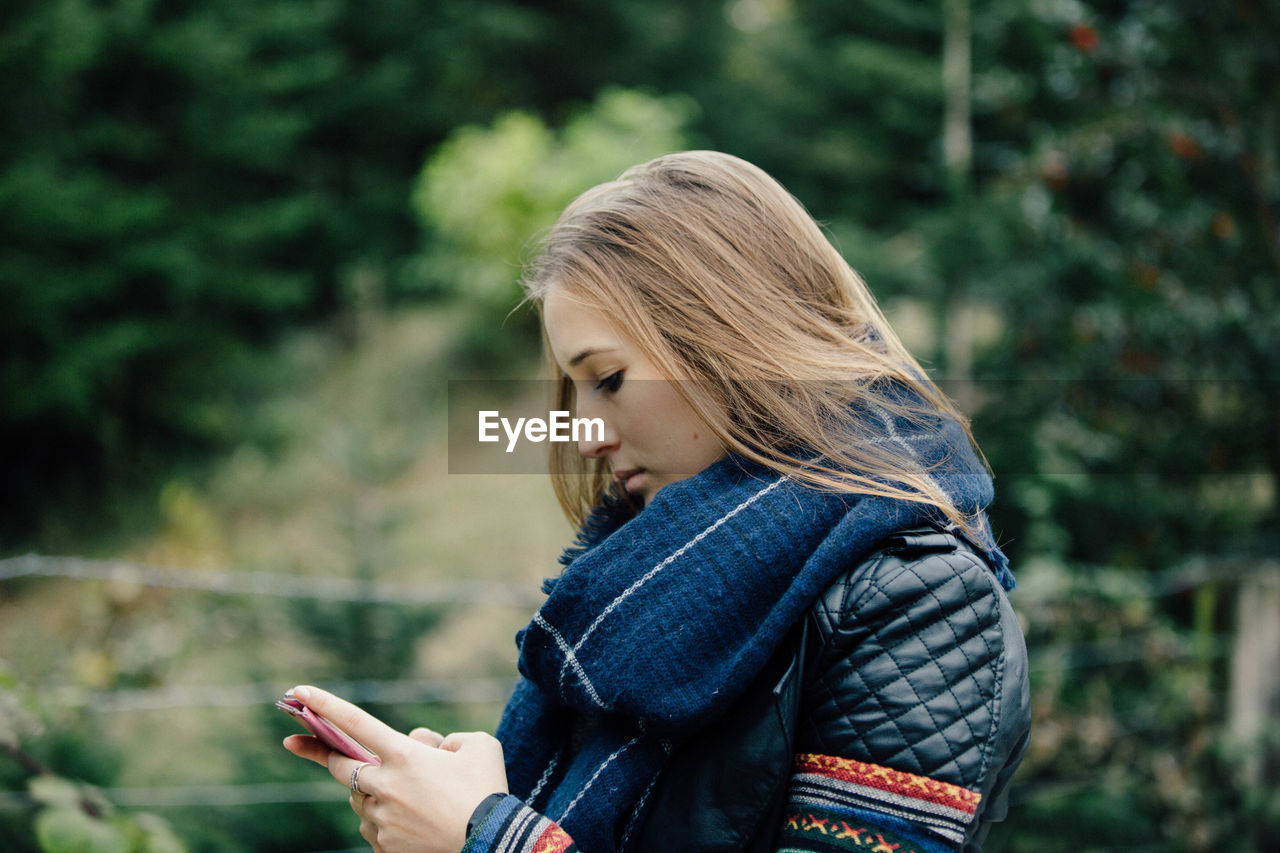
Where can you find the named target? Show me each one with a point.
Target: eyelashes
(610, 383)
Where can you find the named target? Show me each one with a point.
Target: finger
(344, 770)
(422, 734)
(472, 740)
(357, 802)
(454, 741)
(308, 747)
(362, 726)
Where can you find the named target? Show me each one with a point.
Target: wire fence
(209, 796)
(1115, 651)
(1186, 576)
(456, 691)
(354, 590)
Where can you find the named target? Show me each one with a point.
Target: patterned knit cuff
(818, 830)
(482, 811)
(513, 827)
(828, 782)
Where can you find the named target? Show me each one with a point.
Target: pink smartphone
(329, 734)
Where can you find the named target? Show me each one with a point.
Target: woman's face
(652, 437)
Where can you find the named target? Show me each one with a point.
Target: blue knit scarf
(660, 621)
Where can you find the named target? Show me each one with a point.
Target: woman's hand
(421, 796)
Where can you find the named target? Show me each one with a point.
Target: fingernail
(302, 694)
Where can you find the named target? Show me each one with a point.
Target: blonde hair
(719, 274)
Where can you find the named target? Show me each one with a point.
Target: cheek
(709, 449)
(661, 422)
(693, 444)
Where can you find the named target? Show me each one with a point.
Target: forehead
(574, 327)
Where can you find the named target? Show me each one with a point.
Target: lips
(629, 478)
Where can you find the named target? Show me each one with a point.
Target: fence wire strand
(276, 584)
(460, 691)
(474, 690)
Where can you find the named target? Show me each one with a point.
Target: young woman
(783, 625)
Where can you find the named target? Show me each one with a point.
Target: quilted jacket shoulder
(917, 662)
(912, 660)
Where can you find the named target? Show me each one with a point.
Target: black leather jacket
(912, 660)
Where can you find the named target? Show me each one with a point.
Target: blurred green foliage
(67, 816)
(181, 182)
(486, 193)
(1096, 279)
(75, 820)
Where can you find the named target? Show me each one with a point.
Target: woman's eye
(610, 383)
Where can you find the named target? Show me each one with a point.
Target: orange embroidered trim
(552, 840)
(840, 830)
(892, 781)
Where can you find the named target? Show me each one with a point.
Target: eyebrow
(587, 353)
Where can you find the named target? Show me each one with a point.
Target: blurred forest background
(245, 243)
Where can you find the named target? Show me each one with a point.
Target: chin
(640, 498)
(646, 494)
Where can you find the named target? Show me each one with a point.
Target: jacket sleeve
(916, 707)
(511, 826)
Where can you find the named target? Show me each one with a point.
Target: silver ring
(355, 777)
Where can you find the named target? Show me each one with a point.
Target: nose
(596, 436)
